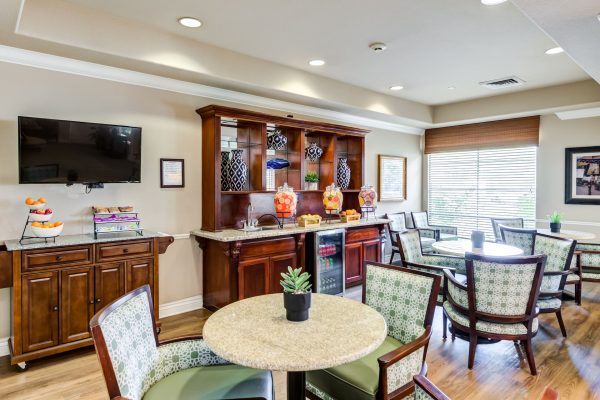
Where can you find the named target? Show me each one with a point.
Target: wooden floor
(572, 366)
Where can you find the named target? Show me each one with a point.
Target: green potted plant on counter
(311, 180)
(296, 294)
(555, 224)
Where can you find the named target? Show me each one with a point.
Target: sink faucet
(279, 221)
(249, 223)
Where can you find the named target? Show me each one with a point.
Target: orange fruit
(29, 201)
(42, 200)
(36, 224)
(36, 203)
(57, 223)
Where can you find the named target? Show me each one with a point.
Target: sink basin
(269, 227)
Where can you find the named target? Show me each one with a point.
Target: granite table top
(73, 240)
(232, 235)
(255, 333)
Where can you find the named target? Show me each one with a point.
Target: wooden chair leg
(472, 348)
(445, 327)
(392, 256)
(561, 323)
(529, 352)
(578, 292)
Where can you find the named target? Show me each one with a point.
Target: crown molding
(51, 62)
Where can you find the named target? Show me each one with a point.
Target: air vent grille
(503, 83)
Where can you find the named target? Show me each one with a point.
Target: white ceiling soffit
(573, 25)
(68, 65)
(581, 113)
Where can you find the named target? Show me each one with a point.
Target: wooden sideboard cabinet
(362, 244)
(57, 290)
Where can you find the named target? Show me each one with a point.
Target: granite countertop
(71, 240)
(255, 333)
(231, 235)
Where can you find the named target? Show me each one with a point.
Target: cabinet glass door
(329, 262)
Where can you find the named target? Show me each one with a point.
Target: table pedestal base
(296, 385)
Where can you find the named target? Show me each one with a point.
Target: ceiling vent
(503, 83)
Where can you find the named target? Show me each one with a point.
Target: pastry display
(100, 210)
(285, 201)
(113, 209)
(349, 216)
(309, 220)
(333, 199)
(367, 197)
(126, 209)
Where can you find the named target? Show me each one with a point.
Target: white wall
(171, 128)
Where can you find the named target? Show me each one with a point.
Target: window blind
(467, 188)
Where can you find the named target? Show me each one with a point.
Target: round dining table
(255, 333)
(567, 234)
(461, 246)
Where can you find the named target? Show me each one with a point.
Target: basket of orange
(306, 220)
(35, 204)
(47, 229)
(350, 216)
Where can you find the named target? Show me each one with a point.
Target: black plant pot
(555, 227)
(296, 306)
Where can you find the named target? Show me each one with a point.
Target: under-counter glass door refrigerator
(326, 260)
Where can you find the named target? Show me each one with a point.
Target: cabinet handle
(92, 301)
(97, 300)
(58, 258)
(55, 308)
(125, 250)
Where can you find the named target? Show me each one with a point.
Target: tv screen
(55, 151)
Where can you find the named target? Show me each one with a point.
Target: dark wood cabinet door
(354, 260)
(76, 303)
(109, 284)
(252, 277)
(277, 265)
(139, 273)
(40, 314)
(372, 250)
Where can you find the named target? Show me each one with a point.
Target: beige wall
(555, 136)
(171, 128)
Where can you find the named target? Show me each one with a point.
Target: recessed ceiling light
(396, 87)
(190, 22)
(451, 87)
(554, 50)
(492, 2)
(316, 63)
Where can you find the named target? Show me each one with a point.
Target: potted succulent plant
(555, 219)
(296, 294)
(311, 180)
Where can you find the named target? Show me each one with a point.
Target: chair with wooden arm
(520, 238)
(508, 222)
(439, 232)
(396, 226)
(410, 250)
(406, 298)
(136, 366)
(588, 262)
(426, 390)
(497, 302)
(559, 252)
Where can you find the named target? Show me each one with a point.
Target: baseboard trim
(180, 306)
(4, 350)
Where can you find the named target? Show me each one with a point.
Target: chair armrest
(180, 339)
(449, 230)
(429, 388)
(454, 281)
(438, 268)
(429, 233)
(395, 355)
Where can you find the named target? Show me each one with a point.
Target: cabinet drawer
(36, 259)
(362, 234)
(268, 246)
(121, 250)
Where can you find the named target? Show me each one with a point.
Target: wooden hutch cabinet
(57, 289)
(249, 265)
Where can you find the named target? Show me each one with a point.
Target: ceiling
(432, 44)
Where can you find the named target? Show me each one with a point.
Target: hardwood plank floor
(572, 365)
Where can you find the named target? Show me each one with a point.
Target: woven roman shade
(518, 132)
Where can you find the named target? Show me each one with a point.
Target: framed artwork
(391, 178)
(582, 175)
(172, 173)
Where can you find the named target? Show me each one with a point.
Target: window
(467, 188)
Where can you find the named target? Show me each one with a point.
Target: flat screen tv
(56, 151)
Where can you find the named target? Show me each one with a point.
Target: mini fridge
(326, 261)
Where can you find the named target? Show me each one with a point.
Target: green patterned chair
(519, 238)
(426, 390)
(509, 222)
(136, 366)
(498, 301)
(410, 251)
(559, 252)
(588, 256)
(396, 226)
(438, 232)
(406, 299)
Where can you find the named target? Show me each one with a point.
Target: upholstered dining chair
(410, 251)
(406, 299)
(560, 253)
(509, 222)
(396, 226)
(588, 261)
(519, 238)
(437, 232)
(497, 302)
(426, 390)
(136, 366)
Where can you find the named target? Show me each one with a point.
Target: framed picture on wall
(582, 175)
(391, 178)
(172, 173)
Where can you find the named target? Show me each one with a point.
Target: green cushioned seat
(357, 380)
(213, 383)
